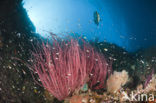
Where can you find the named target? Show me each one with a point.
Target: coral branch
(100, 71)
(61, 67)
(64, 66)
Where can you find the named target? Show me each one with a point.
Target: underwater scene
(77, 51)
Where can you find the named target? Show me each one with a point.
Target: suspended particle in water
(19, 34)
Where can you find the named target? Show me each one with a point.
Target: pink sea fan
(64, 66)
(100, 71)
(61, 67)
(98, 68)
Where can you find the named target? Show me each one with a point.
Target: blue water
(130, 24)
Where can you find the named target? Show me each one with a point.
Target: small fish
(85, 87)
(105, 49)
(52, 34)
(96, 18)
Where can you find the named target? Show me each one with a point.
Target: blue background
(131, 24)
